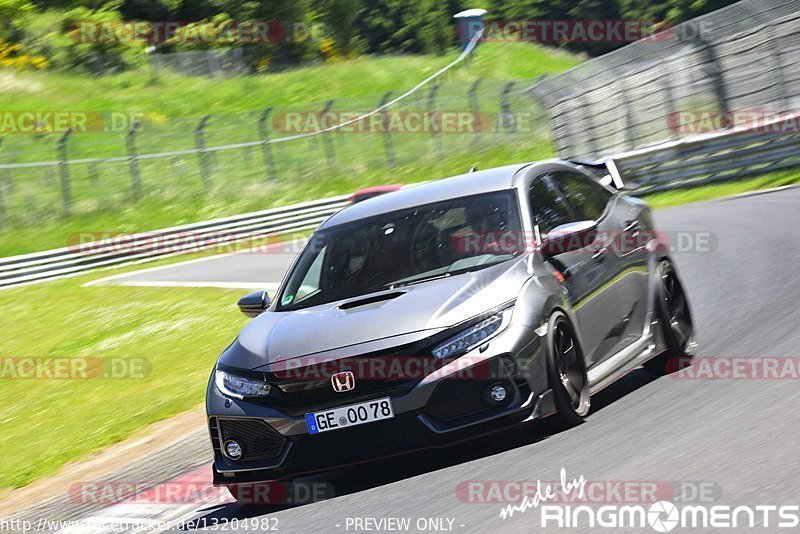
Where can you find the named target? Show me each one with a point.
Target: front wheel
(567, 372)
(674, 316)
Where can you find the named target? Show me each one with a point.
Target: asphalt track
(736, 439)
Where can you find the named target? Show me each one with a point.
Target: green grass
(174, 191)
(723, 189)
(180, 332)
(176, 96)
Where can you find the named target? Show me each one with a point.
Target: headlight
(473, 336)
(239, 386)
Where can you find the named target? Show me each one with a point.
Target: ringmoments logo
(565, 504)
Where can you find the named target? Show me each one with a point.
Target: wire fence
(67, 174)
(736, 63)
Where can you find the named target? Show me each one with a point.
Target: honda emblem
(342, 382)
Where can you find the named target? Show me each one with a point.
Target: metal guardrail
(725, 155)
(83, 257)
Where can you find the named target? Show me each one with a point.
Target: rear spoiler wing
(605, 171)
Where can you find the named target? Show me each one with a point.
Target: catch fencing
(741, 59)
(225, 156)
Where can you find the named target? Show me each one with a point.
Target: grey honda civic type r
(441, 312)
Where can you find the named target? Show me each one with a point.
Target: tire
(675, 319)
(566, 370)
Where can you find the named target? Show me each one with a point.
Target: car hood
(410, 314)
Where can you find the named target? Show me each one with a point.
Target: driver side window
(548, 208)
(586, 197)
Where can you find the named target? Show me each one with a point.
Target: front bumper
(438, 410)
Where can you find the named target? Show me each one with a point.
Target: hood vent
(370, 300)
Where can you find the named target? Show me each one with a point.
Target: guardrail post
(508, 124)
(66, 190)
(326, 139)
(386, 134)
(130, 142)
(475, 107)
(202, 156)
(435, 118)
(266, 146)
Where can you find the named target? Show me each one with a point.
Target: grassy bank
(194, 187)
(174, 96)
(168, 337)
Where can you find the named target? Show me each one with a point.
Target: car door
(584, 272)
(624, 291)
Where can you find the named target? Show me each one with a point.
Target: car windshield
(404, 247)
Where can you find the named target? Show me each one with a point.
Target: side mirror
(569, 238)
(254, 304)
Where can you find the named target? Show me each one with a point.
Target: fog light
(497, 393)
(233, 450)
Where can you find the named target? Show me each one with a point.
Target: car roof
(473, 183)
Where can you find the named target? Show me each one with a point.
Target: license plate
(347, 416)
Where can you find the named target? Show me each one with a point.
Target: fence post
(130, 142)
(630, 129)
(266, 147)
(713, 72)
(66, 190)
(474, 105)
(200, 144)
(386, 134)
(329, 152)
(8, 178)
(3, 217)
(435, 118)
(774, 56)
(94, 177)
(670, 100)
(508, 123)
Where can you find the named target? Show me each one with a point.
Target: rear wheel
(567, 372)
(675, 318)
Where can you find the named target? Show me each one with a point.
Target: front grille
(259, 441)
(300, 390)
(365, 442)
